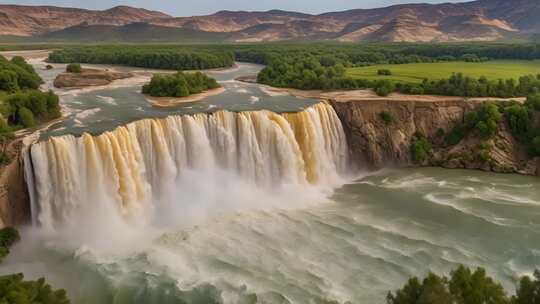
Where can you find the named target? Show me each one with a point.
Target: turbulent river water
(251, 207)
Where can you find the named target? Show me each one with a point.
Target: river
(220, 237)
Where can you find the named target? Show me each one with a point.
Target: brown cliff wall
(375, 144)
(14, 199)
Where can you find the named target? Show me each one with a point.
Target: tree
(26, 117)
(469, 287)
(519, 121)
(432, 290)
(463, 287)
(8, 81)
(528, 291)
(73, 68)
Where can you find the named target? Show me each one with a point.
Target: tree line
(460, 85)
(179, 84)
(166, 57)
(465, 286)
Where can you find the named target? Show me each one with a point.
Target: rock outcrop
(376, 144)
(14, 199)
(88, 78)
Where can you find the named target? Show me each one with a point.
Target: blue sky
(203, 7)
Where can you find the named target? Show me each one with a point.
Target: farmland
(417, 72)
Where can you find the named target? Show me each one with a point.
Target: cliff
(14, 199)
(375, 143)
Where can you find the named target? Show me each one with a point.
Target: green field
(417, 72)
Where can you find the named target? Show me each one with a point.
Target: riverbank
(369, 95)
(165, 102)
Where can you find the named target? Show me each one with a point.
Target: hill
(481, 20)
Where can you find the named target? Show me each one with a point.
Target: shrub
(4, 158)
(536, 146)
(384, 88)
(386, 117)
(8, 81)
(384, 72)
(74, 68)
(420, 149)
(519, 121)
(43, 106)
(484, 119)
(455, 136)
(26, 117)
(533, 102)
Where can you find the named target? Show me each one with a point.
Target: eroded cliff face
(375, 144)
(14, 199)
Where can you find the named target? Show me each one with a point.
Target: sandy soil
(359, 95)
(165, 102)
(31, 54)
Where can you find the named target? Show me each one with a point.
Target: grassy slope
(416, 72)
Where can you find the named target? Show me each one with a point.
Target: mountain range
(481, 20)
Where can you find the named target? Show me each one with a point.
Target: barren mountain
(481, 20)
(18, 20)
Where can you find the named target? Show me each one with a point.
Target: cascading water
(129, 170)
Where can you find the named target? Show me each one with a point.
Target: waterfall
(129, 169)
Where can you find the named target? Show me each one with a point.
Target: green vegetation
(420, 148)
(384, 72)
(386, 117)
(179, 84)
(465, 286)
(16, 74)
(21, 103)
(8, 237)
(73, 68)
(459, 85)
(415, 73)
(149, 56)
(329, 66)
(344, 67)
(482, 121)
(31, 107)
(13, 288)
(521, 120)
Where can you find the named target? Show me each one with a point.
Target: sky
(181, 8)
